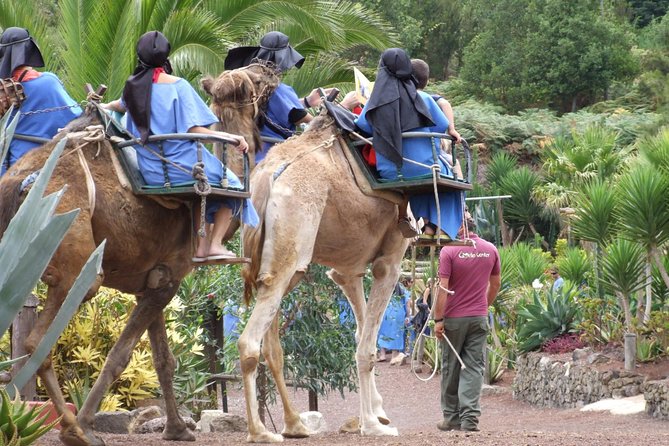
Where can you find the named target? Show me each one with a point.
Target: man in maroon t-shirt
(469, 279)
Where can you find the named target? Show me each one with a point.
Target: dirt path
(413, 407)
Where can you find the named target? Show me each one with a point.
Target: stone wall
(657, 398)
(543, 381)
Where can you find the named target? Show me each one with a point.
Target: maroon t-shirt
(468, 269)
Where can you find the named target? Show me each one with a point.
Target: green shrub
(575, 265)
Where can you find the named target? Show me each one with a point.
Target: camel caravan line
(317, 200)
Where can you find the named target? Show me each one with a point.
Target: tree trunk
(649, 290)
(544, 243)
(655, 254)
(21, 327)
(506, 237)
(625, 304)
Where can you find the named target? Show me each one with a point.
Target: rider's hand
(243, 146)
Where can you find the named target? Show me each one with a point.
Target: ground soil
(413, 407)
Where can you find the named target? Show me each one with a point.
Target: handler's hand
(439, 329)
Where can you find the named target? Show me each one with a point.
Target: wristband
(306, 102)
(436, 321)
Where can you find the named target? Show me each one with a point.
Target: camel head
(239, 98)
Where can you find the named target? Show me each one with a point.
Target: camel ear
(207, 84)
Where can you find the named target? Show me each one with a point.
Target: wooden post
(21, 328)
(313, 401)
(502, 225)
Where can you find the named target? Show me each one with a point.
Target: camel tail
(254, 240)
(10, 200)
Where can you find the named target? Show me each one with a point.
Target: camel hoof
(383, 420)
(297, 430)
(379, 430)
(179, 435)
(75, 436)
(265, 437)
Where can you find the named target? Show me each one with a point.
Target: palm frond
(643, 208)
(594, 220)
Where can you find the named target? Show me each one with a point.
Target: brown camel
(147, 254)
(311, 210)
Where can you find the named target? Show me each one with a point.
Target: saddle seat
(126, 154)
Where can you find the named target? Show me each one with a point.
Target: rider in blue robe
(395, 106)
(44, 94)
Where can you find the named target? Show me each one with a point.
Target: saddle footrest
(431, 241)
(188, 190)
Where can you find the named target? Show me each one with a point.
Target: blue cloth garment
(422, 150)
(391, 333)
(43, 92)
(176, 108)
(282, 101)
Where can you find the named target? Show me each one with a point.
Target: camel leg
(386, 272)
(70, 434)
(165, 364)
(148, 307)
(266, 309)
(61, 273)
(273, 353)
(353, 290)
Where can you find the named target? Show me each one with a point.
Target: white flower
(537, 285)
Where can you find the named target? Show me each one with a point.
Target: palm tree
(623, 269)
(570, 162)
(95, 39)
(643, 213)
(522, 210)
(594, 219)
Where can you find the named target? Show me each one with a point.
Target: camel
(311, 210)
(147, 254)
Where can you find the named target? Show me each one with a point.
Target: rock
(142, 415)
(226, 422)
(5, 377)
(113, 422)
(157, 425)
(581, 353)
(313, 421)
(350, 426)
(206, 416)
(597, 358)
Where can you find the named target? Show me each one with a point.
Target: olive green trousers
(461, 388)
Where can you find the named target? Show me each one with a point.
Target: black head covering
(273, 48)
(152, 51)
(18, 48)
(395, 106)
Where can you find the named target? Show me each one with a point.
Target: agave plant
(26, 247)
(543, 319)
(21, 424)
